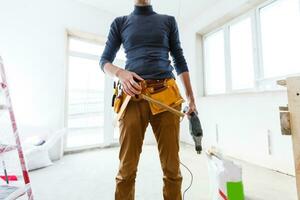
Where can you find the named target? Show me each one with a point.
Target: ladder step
(6, 148)
(12, 192)
(3, 107)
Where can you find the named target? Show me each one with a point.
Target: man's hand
(192, 107)
(130, 86)
(127, 78)
(185, 79)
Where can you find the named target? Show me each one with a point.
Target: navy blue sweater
(147, 38)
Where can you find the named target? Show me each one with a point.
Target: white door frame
(108, 117)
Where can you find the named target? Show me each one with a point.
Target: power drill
(195, 129)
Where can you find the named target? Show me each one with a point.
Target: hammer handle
(123, 107)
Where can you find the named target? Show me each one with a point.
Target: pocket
(170, 96)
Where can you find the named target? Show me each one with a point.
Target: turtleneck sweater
(147, 38)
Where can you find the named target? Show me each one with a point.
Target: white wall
(32, 43)
(33, 46)
(244, 120)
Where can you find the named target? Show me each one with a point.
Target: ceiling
(183, 10)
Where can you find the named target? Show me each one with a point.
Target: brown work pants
(132, 126)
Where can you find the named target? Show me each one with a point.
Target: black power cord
(191, 182)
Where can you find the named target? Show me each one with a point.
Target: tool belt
(165, 91)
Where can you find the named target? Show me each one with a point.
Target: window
(252, 51)
(280, 31)
(86, 86)
(241, 55)
(214, 63)
(89, 95)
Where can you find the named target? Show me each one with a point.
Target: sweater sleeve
(112, 44)
(175, 48)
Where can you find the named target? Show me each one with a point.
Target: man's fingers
(126, 88)
(131, 89)
(137, 76)
(135, 85)
(128, 92)
(190, 110)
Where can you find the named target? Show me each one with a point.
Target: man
(147, 38)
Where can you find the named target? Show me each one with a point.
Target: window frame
(260, 83)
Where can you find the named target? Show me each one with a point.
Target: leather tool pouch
(166, 92)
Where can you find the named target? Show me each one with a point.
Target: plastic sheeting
(225, 178)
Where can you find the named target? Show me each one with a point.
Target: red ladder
(3, 86)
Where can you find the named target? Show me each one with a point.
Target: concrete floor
(90, 176)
